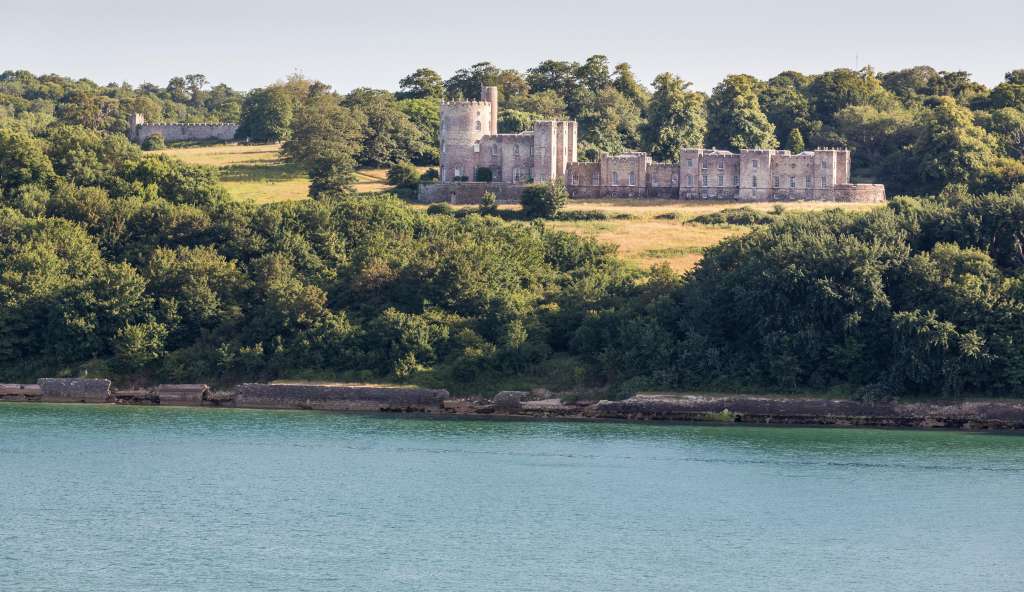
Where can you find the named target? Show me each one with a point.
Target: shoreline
(984, 415)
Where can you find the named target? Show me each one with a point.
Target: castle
(476, 159)
(139, 130)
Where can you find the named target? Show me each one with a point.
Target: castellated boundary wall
(186, 132)
(139, 130)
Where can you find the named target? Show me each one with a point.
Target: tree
(735, 119)
(677, 118)
(785, 104)
(795, 141)
(266, 115)
(951, 148)
(22, 161)
(324, 127)
(466, 82)
(195, 84)
(608, 121)
(543, 201)
(424, 83)
(389, 136)
(404, 174)
(832, 91)
(1008, 126)
(626, 83)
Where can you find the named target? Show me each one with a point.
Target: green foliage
(266, 115)
(795, 141)
(745, 216)
(543, 201)
(154, 142)
(488, 204)
(404, 174)
(440, 208)
(736, 120)
(677, 118)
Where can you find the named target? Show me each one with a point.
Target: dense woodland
(137, 266)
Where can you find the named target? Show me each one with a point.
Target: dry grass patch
(260, 174)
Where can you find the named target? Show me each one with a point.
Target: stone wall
(74, 390)
(340, 397)
(468, 193)
(186, 132)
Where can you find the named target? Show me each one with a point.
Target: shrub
(440, 208)
(543, 201)
(429, 176)
(489, 204)
(154, 142)
(404, 174)
(745, 216)
(484, 175)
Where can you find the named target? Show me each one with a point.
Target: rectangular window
(807, 183)
(704, 164)
(595, 179)
(689, 180)
(689, 162)
(754, 179)
(615, 178)
(775, 182)
(824, 163)
(736, 180)
(704, 181)
(753, 163)
(824, 182)
(721, 180)
(632, 178)
(494, 149)
(575, 178)
(721, 164)
(792, 182)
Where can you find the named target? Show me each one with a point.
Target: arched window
(632, 178)
(515, 150)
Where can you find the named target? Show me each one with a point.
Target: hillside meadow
(646, 232)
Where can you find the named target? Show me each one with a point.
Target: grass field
(258, 173)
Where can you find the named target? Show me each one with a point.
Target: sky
(251, 43)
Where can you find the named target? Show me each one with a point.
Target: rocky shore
(756, 410)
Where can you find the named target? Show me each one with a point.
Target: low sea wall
(337, 397)
(74, 390)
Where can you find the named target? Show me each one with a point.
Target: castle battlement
(139, 130)
(475, 158)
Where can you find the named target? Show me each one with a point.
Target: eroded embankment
(970, 415)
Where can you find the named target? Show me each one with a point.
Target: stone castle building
(476, 159)
(139, 130)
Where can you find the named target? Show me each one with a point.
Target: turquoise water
(106, 499)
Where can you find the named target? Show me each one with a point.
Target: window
(792, 182)
(704, 180)
(824, 163)
(721, 180)
(721, 164)
(458, 173)
(515, 150)
(443, 147)
(575, 178)
(632, 178)
(494, 149)
(754, 179)
(736, 180)
(517, 174)
(529, 151)
(615, 178)
(807, 183)
(689, 162)
(478, 126)
(704, 164)
(476, 146)
(595, 178)
(689, 180)
(824, 182)
(775, 182)
(753, 163)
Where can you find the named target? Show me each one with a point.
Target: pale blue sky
(349, 44)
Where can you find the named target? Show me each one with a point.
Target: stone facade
(472, 151)
(751, 175)
(139, 130)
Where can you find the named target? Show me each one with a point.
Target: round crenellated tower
(463, 124)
